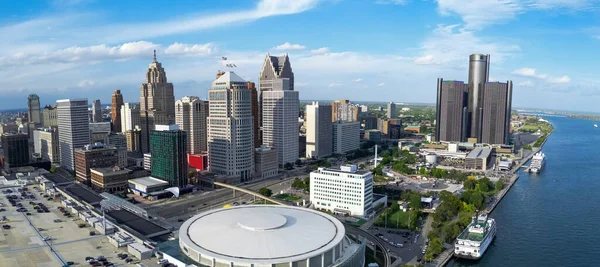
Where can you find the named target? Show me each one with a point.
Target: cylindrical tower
(478, 76)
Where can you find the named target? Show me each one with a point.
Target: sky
(362, 50)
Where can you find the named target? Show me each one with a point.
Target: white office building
(190, 116)
(346, 137)
(130, 116)
(74, 129)
(344, 191)
(230, 127)
(45, 143)
(280, 120)
(318, 130)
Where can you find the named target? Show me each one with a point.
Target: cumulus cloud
(531, 72)
(289, 46)
(86, 83)
(527, 83)
(320, 51)
(357, 80)
(425, 60)
(190, 49)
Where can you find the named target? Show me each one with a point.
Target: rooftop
(148, 181)
(479, 152)
(57, 179)
(111, 170)
(259, 234)
(135, 222)
(81, 193)
(230, 76)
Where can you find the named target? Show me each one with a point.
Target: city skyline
(414, 51)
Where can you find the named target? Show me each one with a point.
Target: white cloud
(289, 46)
(562, 4)
(390, 2)
(86, 83)
(357, 80)
(425, 60)
(331, 85)
(531, 72)
(320, 51)
(527, 83)
(190, 49)
(380, 84)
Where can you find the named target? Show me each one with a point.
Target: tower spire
(154, 56)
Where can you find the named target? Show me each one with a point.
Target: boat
(595, 125)
(537, 162)
(474, 241)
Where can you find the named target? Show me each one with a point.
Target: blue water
(552, 218)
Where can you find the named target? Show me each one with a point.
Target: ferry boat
(537, 162)
(595, 125)
(474, 241)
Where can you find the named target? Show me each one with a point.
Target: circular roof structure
(261, 234)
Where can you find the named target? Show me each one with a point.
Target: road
(382, 246)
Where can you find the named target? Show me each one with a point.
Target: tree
(326, 164)
(377, 171)
(265, 192)
(288, 166)
(423, 171)
(451, 231)
(298, 162)
(415, 201)
(485, 185)
(435, 248)
(469, 184)
(395, 206)
(477, 199)
(499, 185)
(298, 184)
(52, 170)
(362, 166)
(306, 184)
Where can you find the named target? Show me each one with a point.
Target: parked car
(6, 226)
(161, 261)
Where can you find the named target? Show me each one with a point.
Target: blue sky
(362, 50)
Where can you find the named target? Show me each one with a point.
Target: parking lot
(409, 248)
(24, 245)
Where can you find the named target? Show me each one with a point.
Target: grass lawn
(288, 197)
(399, 218)
(380, 179)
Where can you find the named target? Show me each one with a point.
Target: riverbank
(443, 259)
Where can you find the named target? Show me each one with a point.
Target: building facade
(45, 143)
(96, 111)
(130, 116)
(115, 111)
(119, 141)
(496, 113)
(343, 110)
(94, 156)
(230, 128)
(370, 123)
(346, 137)
(15, 147)
(111, 180)
(452, 111)
(134, 140)
(383, 125)
(190, 116)
(479, 72)
(50, 116)
(280, 120)
(265, 162)
(74, 129)
(168, 147)
(391, 110)
(344, 191)
(255, 114)
(157, 102)
(34, 112)
(318, 130)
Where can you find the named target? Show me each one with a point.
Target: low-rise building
(94, 156)
(112, 180)
(265, 162)
(344, 191)
(373, 136)
(478, 158)
(147, 185)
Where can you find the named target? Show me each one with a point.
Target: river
(548, 219)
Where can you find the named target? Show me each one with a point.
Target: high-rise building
(370, 122)
(115, 111)
(343, 110)
(346, 190)
(479, 71)
(265, 161)
(168, 147)
(318, 130)
(73, 129)
(451, 111)
(96, 111)
(391, 110)
(230, 126)
(364, 108)
(497, 107)
(130, 116)
(190, 116)
(273, 68)
(50, 117)
(346, 137)
(134, 140)
(94, 156)
(16, 149)
(119, 141)
(280, 129)
(45, 143)
(34, 113)
(383, 125)
(99, 131)
(157, 102)
(255, 114)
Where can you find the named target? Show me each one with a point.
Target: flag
(223, 58)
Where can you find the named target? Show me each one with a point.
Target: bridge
(350, 229)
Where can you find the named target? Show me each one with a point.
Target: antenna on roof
(154, 56)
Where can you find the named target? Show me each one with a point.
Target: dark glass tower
(168, 147)
(479, 71)
(16, 149)
(450, 112)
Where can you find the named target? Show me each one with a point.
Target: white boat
(595, 125)
(537, 162)
(474, 241)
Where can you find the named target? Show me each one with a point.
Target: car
(1, 210)
(57, 220)
(28, 213)
(180, 220)
(6, 226)
(88, 258)
(128, 260)
(101, 258)
(161, 261)
(92, 233)
(81, 225)
(107, 263)
(47, 238)
(70, 263)
(40, 229)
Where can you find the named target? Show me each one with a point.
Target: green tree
(485, 185)
(477, 199)
(306, 184)
(288, 166)
(52, 170)
(265, 192)
(423, 171)
(326, 164)
(298, 184)
(298, 162)
(499, 185)
(451, 231)
(435, 248)
(469, 184)
(377, 171)
(415, 201)
(395, 206)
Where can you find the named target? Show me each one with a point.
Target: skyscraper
(451, 111)
(343, 110)
(169, 154)
(97, 111)
(33, 109)
(130, 116)
(319, 130)
(230, 137)
(273, 68)
(16, 149)
(280, 120)
(496, 113)
(391, 110)
(117, 102)
(255, 114)
(157, 102)
(50, 117)
(479, 71)
(45, 143)
(73, 129)
(190, 116)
